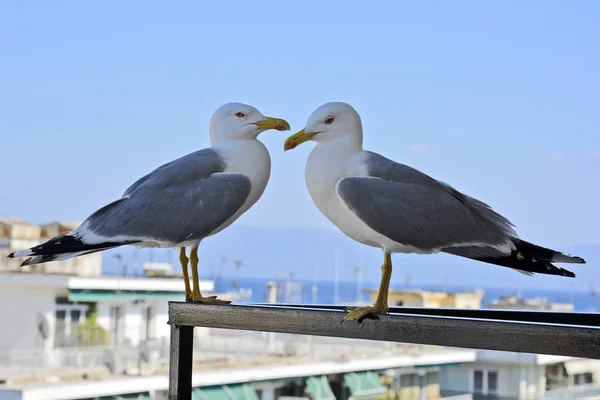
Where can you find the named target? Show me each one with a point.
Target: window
(409, 380)
(582, 379)
(478, 381)
(492, 383)
(61, 315)
(75, 316)
(588, 377)
(485, 381)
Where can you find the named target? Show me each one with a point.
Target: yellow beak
(297, 139)
(273, 123)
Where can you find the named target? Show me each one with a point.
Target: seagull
(391, 206)
(181, 202)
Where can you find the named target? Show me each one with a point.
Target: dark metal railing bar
(180, 362)
(553, 317)
(520, 336)
(554, 333)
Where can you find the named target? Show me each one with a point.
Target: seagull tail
(529, 258)
(543, 254)
(62, 248)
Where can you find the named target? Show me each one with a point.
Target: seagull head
(240, 121)
(330, 122)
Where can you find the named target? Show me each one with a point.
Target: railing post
(180, 362)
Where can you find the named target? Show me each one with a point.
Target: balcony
(566, 334)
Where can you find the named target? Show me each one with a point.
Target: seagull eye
(240, 114)
(329, 120)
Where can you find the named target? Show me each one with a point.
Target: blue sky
(501, 99)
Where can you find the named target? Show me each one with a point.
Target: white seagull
(398, 209)
(181, 202)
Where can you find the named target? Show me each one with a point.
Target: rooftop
(259, 365)
(102, 282)
(14, 221)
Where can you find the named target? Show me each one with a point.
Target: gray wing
(199, 164)
(414, 209)
(185, 199)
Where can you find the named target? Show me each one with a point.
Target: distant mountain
(271, 252)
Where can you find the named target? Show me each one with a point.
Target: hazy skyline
(498, 99)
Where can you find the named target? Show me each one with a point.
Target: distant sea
(299, 291)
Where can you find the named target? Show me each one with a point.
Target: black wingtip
(567, 273)
(11, 255)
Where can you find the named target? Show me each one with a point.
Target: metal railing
(554, 333)
(219, 347)
(574, 392)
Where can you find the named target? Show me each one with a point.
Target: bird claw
(211, 299)
(358, 314)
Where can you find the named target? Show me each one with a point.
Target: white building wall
(514, 380)
(456, 379)
(103, 316)
(467, 301)
(161, 318)
(23, 243)
(162, 329)
(88, 265)
(9, 263)
(21, 306)
(508, 376)
(540, 381)
(133, 323)
(517, 380)
(430, 304)
(134, 319)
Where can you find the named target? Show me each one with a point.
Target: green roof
(100, 295)
(130, 396)
(425, 366)
(240, 391)
(364, 385)
(319, 388)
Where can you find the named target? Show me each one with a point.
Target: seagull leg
(381, 304)
(183, 260)
(196, 295)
